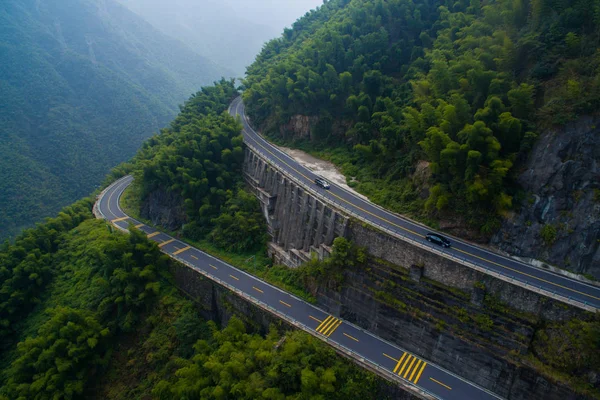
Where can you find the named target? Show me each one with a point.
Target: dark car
(437, 239)
(322, 182)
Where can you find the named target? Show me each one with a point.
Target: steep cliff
(559, 220)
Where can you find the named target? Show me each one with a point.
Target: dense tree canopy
(200, 157)
(464, 85)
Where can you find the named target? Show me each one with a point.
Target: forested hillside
(89, 312)
(431, 106)
(82, 83)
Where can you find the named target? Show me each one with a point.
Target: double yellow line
(329, 325)
(410, 367)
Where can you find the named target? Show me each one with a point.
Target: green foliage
(239, 227)
(462, 85)
(200, 158)
(25, 265)
(548, 234)
(236, 364)
(80, 90)
(572, 347)
(345, 255)
(55, 364)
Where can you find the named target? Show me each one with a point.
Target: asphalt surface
(376, 351)
(513, 269)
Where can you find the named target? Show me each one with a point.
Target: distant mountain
(82, 83)
(214, 28)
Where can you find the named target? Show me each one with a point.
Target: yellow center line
(440, 383)
(335, 326)
(351, 337)
(415, 370)
(139, 226)
(257, 289)
(166, 243)
(182, 250)
(212, 266)
(420, 372)
(405, 364)
(400, 362)
(410, 367)
(390, 357)
(417, 234)
(528, 275)
(234, 277)
(194, 257)
(311, 317)
(153, 234)
(119, 219)
(285, 304)
(324, 322)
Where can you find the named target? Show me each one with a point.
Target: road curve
(388, 359)
(558, 286)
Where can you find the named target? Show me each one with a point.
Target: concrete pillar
(317, 240)
(331, 229)
(308, 228)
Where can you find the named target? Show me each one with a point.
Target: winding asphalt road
(376, 352)
(528, 275)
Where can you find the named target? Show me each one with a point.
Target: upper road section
(544, 282)
(411, 371)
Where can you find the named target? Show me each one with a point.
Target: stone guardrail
(397, 234)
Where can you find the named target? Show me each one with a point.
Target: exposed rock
(298, 127)
(165, 209)
(562, 179)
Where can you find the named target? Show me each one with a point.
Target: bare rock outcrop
(559, 221)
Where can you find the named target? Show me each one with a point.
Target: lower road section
(388, 359)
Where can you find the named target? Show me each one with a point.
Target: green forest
(466, 86)
(89, 312)
(100, 318)
(199, 157)
(80, 89)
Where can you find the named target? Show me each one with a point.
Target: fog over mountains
(229, 32)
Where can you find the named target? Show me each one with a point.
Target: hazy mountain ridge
(82, 83)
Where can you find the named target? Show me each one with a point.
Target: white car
(322, 182)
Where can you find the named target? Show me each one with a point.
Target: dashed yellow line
(351, 337)
(182, 250)
(440, 383)
(285, 304)
(257, 289)
(234, 277)
(390, 357)
(316, 319)
(166, 243)
(153, 234)
(212, 266)
(417, 234)
(194, 257)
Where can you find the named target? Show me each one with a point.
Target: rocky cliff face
(164, 209)
(559, 221)
(474, 335)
